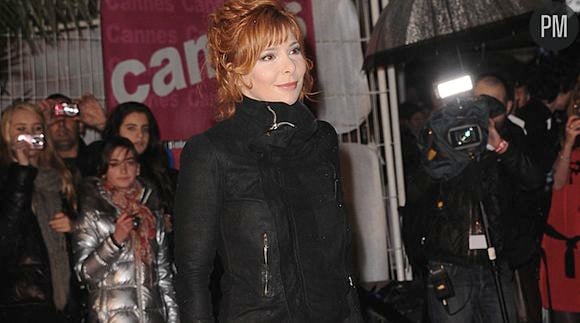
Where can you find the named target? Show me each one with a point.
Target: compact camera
(464, 137)
(35, 141)
(136, 222)
(66, 110)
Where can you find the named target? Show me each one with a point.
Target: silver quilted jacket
(121, 288)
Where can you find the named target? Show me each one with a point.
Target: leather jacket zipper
(265, 266)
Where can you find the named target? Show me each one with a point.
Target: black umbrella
(408, 28)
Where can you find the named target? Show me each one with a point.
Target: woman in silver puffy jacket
(120, 248)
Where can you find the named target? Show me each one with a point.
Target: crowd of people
(109, 232)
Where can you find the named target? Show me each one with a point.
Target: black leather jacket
(267, 198)
(24, 268)
(521, 207)
(452, 207)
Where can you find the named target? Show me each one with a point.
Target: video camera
(456, 134)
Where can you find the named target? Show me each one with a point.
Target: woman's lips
(288, 86)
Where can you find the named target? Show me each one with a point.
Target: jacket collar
(276, 124)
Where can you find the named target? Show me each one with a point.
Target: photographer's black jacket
(522, 208)
(267, 198)
(447, 228)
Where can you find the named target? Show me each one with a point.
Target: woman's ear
(138, 170)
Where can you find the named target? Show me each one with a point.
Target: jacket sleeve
(198, 201)
(166, 275)
(352, 296)
(15, 201)
(93, 256)
(518, 165)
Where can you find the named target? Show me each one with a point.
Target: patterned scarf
(128, 201)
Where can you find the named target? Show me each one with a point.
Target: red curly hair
(238, 32)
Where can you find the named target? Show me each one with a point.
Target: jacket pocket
(265, 273)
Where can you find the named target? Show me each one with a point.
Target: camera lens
(136, 221)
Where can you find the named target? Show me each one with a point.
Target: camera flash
(454, 86)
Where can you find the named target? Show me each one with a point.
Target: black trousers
(30, 313)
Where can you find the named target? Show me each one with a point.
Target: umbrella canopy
(407, 27)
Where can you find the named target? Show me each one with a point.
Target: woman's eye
(267, 57)
(296, 50)
(131, 128)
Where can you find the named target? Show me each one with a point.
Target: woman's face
(25, 122)
(135, 127)
(278, 74)
(122, 169)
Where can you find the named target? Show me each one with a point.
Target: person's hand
(22, 151)
(61, 223)
(493, 137)
(572, 130)
(92, 113)
(167, 223)
(123, 227)
(47, 108)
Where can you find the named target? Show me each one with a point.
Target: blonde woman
(37, 199)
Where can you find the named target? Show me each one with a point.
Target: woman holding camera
(120, 245)
(136, 122)
(36, 190)
(560, 268)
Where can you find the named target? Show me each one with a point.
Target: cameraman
(455, 224)
(520, 208)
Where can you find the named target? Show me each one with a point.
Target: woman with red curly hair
(262, 188)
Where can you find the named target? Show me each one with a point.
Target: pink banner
(155, 52)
